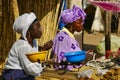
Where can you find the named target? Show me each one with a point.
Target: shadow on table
(92, 47)
(89, 47)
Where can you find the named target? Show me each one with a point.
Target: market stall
(97, 69)
(90, 69)
(104, 68)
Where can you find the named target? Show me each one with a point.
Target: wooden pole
(108, 31)
(15, 8)
(118, 31)
(15, 12)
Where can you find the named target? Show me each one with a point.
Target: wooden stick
(15, 12)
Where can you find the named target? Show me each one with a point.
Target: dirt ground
(91, 40)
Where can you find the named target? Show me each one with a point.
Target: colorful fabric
(113, 6)
(71, 15)
(23, 22)
(16, 75)
(64, 43)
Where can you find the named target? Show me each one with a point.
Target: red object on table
(108, 54)
(119, 49)
(118, 52)
(112, 54)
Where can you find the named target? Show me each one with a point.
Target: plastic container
(75, 56)
(35, 56)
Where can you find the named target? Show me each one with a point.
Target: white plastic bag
(85, 73)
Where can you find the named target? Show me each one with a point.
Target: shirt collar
(68, 32)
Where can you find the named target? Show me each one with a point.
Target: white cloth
(115, 44)
(23, 22)
(97, 24)
(18, 60)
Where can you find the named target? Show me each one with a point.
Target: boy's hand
(47, 45)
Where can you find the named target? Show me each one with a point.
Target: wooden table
(51, 73)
